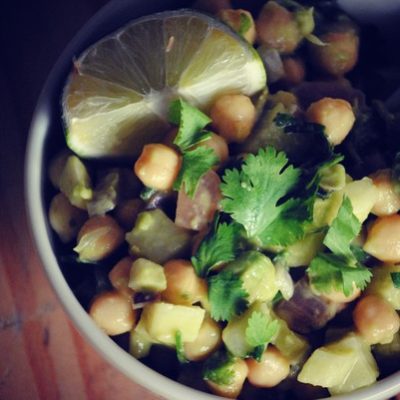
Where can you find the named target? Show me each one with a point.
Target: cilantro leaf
(219, 246)
(329, 272)
(227, 296)
(195, 163)
(395, 279)
(244, 23)
(180, 351)
(291, 224)
(345, 227)
(251, 195)
(259, 332)
(191, 122)
(219, 369)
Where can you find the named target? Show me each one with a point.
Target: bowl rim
(36, 212)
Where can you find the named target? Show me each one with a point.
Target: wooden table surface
(42, 356)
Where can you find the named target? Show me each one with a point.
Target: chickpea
(388, 201)
(277, 28)
(294, 70)
(336, 115)
(233, 117)
(339, 56)
(65, 219)
(232, 390)
(337, 296)
(376, 320)
(56, 167)
(98, 238)
(158, 166)
(119, 276)
(270, 371)
(237, 19)
(183, 285)
(219, 145)
(383, 239)
(113, 313)
(207, 341)
(127, 211)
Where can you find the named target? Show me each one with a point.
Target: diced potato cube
(258, 276)
(382, 284)
(328, 367)
(147, 276)
(364, 372)
(163, 320)
(140, 341)
(363, 195)
(293, 346)
(342, 366)
(157, 238)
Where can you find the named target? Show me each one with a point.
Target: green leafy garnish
(219, 246)
(341, 269)
(227, 296)
(180, 351)
(345, 227)
(147, 193)
(245, 23)
(259, 332)
(329, 272)
(195, 163)
(254, 196)
(219, 369)
(191, 122)
(395, 279)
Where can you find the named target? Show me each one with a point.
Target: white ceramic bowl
(47, 115)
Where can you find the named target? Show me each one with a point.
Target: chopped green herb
(147, 193)
(227, 296)
(345, 227)
(195, 164)
(191, 122)
(395, 279)
(218, 368)
(219, 246)
(180, 351)
(254, 197)
(329, 272)
(278, 297)
(259, 332)
(245, 24)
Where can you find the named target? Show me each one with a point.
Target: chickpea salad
(227, 205)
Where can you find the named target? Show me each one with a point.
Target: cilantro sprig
(259, 333)
(191, 122)
(256, 197)
(180, 351)
(219, 368)
(196, 161)
(221, 245)
(395, 279)
(341, 269)
(227, 295)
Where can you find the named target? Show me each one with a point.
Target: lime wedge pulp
(117, 97)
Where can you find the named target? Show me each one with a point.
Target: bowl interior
(46, 137)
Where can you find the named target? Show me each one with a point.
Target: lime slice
(117, 98)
